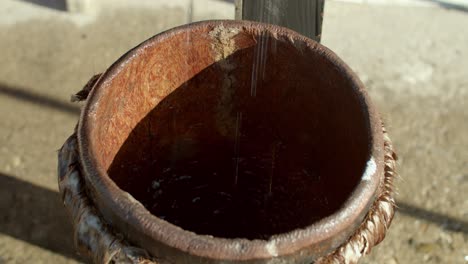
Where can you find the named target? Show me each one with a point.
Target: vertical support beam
(303, 16)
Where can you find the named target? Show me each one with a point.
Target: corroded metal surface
(205, 71)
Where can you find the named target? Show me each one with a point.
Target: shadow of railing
(448, 5)
(54, 4)
(38, 99)
(444, 221)
(35, 214)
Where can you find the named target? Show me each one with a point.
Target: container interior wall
(233, 133)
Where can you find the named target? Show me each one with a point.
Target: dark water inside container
(231, 153)
(264, 189)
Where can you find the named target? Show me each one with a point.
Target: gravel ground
(414, 61)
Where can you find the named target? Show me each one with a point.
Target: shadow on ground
(444, 221)
(450, 6)
(35, 215)
(39, 99)
(54, 4)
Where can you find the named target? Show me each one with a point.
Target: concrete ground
(413, 60)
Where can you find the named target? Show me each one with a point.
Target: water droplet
(155, 184)
(237, 146)
(183, 177)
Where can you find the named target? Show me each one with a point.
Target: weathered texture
(46, 55)
(96, 241)
(93, 238)
(372, 231)
(174, 100)
(376, 222)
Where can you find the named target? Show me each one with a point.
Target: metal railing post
(303, 16)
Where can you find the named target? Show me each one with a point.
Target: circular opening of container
(234, 130)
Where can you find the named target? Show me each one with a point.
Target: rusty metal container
(228, 142)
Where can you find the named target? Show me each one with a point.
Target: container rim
(317, 239)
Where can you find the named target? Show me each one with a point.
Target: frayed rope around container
(97, 241)
(372, 231)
